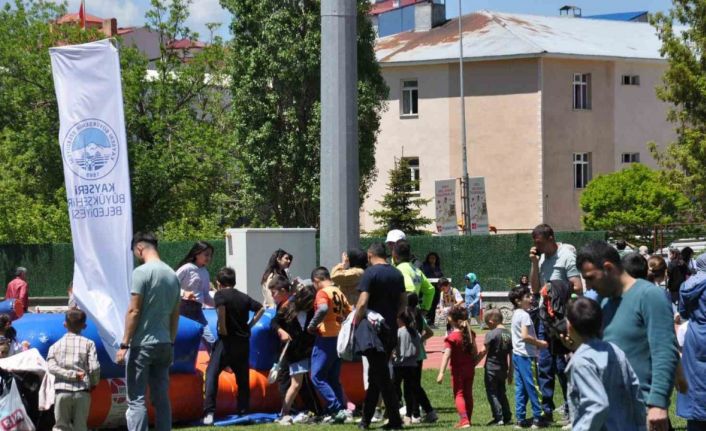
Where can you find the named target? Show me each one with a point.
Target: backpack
(552, 311)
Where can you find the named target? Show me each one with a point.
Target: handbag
(277, 367)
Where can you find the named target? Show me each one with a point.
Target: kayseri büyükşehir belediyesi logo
(90, 149)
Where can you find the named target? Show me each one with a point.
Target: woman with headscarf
(472, 296)
(432, 269)
(692, 306)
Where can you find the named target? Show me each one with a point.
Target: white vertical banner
(445, 198)
(479, 207)
(94, 152)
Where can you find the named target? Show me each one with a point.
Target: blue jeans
(325, 373)
(149, 364)
(526, 387)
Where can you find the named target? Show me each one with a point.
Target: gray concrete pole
(340, 225)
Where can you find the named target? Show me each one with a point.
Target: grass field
(442, 400)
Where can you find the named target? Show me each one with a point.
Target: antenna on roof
(570, 11)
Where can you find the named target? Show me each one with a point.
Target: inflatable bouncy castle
(109, 398)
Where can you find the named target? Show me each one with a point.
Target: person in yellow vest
(414, 279)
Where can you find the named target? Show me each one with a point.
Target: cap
(395, 235)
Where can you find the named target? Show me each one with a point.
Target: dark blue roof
(621, 16)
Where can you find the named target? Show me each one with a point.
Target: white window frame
(414, 173)
(413, 91)
(630, 80)
(630, 158)
(582, 170)
(582, 97)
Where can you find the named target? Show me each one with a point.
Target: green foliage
(630, 202)
(401, 209)
(183, 173)
(275, 59)
(684, 87)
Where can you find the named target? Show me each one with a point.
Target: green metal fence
(498, 260)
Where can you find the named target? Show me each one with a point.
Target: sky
(132, 12)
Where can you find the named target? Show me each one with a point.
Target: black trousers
(233, 353)
(408, 377)
(431, 314)
(379, 383)
(497, 396)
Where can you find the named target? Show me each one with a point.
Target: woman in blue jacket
(692, 306)
(472, 296)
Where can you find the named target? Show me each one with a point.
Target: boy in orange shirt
(331, 308)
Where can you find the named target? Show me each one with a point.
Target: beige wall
(503, 135)
(640, 117)
(425, 136)
(567, 131)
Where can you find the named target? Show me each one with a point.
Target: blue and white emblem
(90, 149)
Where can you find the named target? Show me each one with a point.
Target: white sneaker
(415, 420)
(302, 418)
(285, 420)
(208, 419)
(377, 417)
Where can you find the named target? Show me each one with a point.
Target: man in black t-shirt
(381, 290)
(232, 349)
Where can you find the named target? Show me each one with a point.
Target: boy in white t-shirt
(525, 351)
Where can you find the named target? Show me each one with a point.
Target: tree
(684, 87)
(630, 202)
(275, 56)
(400, 208)
(180, 147)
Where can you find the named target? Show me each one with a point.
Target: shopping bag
(344, 343)
(275, 370)
(13, 416)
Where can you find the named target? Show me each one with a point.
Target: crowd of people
(599, 321)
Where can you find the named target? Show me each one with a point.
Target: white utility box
(248, 251)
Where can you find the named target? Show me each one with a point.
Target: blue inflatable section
(43, 330)
(249, 419)
(8, 307)
(264, 344)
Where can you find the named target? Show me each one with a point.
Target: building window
(413, 163)
(582, 91)
(582, 170)
(631, 157)
(630, 79)
(410, 98)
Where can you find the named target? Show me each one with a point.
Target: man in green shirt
(637, 318)
(414, 279)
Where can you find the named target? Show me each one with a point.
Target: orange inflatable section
(265, 397)
(109, 401)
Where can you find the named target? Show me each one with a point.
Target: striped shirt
(69, 356)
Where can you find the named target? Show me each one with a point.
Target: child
(604, 392)
(404, 360)
(232, 348)
(498, 366)
(331, 308)
(473, 290)
(450, 296)
(7, 331)
(74, 363)
(525, 347)
(291, 323)
(422, 400)
(460, 348)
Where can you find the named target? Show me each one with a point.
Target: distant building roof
(622, 16)
(387, 5)
(73, 17)
(125, 30)
(488, 35)
(185, 44)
